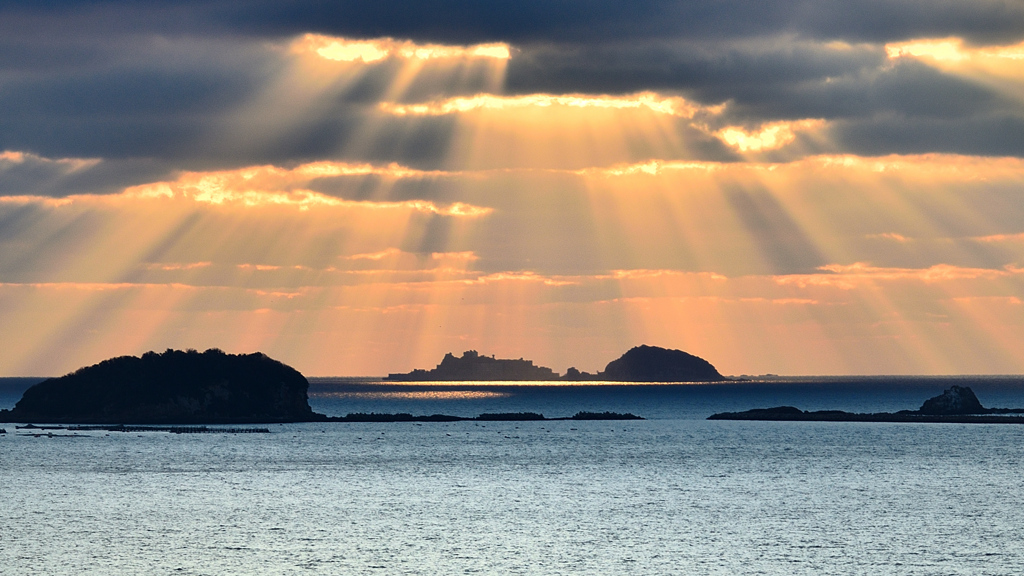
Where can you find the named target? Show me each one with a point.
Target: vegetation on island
(173, 387)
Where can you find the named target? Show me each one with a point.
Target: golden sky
(786, 200)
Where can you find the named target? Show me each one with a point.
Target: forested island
(958, 404)
(179, 387)
(639, 364)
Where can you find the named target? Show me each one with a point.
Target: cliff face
(654, 364)
(173, 387)
(473, 366)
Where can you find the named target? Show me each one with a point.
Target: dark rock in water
(473, 366)
(956, 405)
(173, 387)
(654, 364)
(955, 400)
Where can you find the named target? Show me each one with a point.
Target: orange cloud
(952, 49)
(769, 136)
(672, 106)
(519, 277)
(997, 238)
(467, 256)
(269, 267)
(850, 276)
(376, 255)
(375, 50)
(66, 165)
(254, 186)
(890, 236)
(274, 186)
(175, 266)
(952, 167)
(1001, 68)
(643, 273)
(650, 168)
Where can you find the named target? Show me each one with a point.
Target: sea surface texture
(674, 494)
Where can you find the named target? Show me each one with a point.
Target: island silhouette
(639, 364)
(212, 387)
(957, 404)
(181, 387)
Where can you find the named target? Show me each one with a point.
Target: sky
(357, 188)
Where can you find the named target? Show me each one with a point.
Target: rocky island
(180, 387)
(639, 364)
(654, 364)
(958, 404)
(473, 366)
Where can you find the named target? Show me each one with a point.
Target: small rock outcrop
(654, 364)
(174, 387)
(955, 400)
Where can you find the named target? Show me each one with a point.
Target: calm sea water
(674, 494)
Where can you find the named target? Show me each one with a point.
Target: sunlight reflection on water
(417, 395)
(637, 497)
(675, 494)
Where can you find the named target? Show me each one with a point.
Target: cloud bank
(359, 187)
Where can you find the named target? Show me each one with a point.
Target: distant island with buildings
(639, 364)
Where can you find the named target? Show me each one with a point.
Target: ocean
(672, 494)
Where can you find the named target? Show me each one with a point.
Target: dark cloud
(522, 21)
(123, 97)
(907, 88)
(991, 135)
(35, 176)
(714, 71)
(161, 83)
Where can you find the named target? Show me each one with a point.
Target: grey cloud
(162, 83)
(36, 176)
(773, 78)
(988, 135)
(522, 21)
(149, 97)
(907, 88)
(713, 70)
